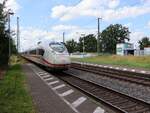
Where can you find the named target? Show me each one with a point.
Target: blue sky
(47, 19)
(37, 14)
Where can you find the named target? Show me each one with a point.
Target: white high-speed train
(53, 55)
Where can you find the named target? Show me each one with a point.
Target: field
(14, 95)
(130, 61)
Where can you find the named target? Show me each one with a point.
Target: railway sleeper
(124, 78)
(130, 107)
(117, 101)
(138, 109)
(128, 74)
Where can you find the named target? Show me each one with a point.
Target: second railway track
(137, 78)
(123, 103)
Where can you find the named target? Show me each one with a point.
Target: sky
(47, 19)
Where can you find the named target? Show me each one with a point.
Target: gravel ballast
(139, 91)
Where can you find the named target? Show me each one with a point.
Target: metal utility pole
(9, 35)
(83, 43)
(18, 33)
(63, 37)
(8, 14)
(98, 37)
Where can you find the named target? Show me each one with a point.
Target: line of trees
(144, 42)
(4, 37)
(112, 35)
(89, 41)
(109, 37)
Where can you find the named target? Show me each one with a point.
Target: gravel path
(131, 89)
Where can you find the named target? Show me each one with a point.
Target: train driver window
(41, 52)
(58, 47)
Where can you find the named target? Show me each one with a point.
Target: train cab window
(33, 52)
(41, 52)
(58, 47)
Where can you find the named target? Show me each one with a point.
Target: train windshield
(58, 47)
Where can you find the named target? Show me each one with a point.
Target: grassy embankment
(130, 61)
(14, 96)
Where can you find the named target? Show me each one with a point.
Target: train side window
(41, 52)
(33, 52)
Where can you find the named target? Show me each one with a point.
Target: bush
(3, 51)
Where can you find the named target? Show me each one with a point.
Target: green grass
(15, 59)
(130, 61)
(14, 97)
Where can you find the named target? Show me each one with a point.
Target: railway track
(121, 102)
(138, 78)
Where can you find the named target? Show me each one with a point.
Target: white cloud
(146, 2)
(12, 4)
(73, 31)
(136, 36)
(64, 27)
(107, 9)
(126, 12)
(76, 34)
(113, 3)
(29, 37)
(129, 24)
(84, 8)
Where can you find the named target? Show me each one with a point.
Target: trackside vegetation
(129, 61)
(5, 36)
(14, 96)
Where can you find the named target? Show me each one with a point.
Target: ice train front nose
(62, 59)
(60, 54)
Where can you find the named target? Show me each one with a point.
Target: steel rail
(117, 74)
(109, 96)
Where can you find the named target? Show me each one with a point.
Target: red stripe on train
(55, 65)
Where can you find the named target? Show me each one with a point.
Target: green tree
(112, 35)
(4, 37)
(90, 43)
(71, 46)
(80, 44)
(144, 42)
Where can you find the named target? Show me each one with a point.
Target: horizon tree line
(4, 37)
(109, 37)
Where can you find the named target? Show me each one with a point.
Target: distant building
(146, 50)
(125, 49)
(138, 52)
